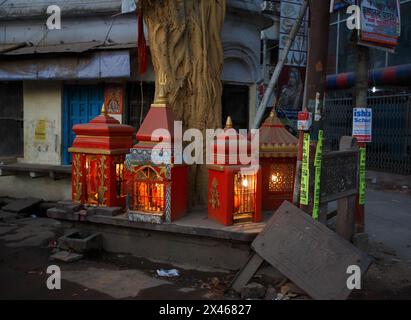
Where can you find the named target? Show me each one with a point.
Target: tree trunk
(185, 44)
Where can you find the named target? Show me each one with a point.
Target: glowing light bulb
(374, 89)
(274, 178)
(245, 183)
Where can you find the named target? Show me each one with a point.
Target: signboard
(128, 6)
(317, 179)
(338, 4)
(291, 80)
(290, 10)
(362, 124)
(40, 130)
(290, 95)
(305, 121)
(113, 98)
(380, 23)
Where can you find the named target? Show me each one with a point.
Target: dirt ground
(389, 277)
(24, 258)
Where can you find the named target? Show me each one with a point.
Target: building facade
(53, 79)
(389, 94)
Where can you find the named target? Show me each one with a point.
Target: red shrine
(278, 156)
(157, 186)
(98, 153)
(234, 195)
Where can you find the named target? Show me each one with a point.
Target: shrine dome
(275, 140)
(102, 133)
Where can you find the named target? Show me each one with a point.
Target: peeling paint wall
(42, 121)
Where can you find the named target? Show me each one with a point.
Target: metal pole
(278, 68)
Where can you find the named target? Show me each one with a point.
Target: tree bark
(185, 45)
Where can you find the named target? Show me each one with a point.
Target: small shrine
(278, 157)
(234, 190)
(98, 155)
(157, 192)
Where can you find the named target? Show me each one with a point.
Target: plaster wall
(241, 44)
(42, 105)
(42, 102)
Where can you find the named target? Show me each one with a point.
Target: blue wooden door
(81, 104)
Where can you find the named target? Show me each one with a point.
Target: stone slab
(119, 284)
(8, 216)
(66, 256)
(308, 253)
(22, 205)
(62, 214)
(69, 206)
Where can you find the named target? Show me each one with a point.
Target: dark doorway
(140, 96)
(11, 119)
(235, 103)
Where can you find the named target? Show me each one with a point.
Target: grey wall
(20, 9)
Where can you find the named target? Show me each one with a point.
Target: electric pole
(361, 93)
(315, 82)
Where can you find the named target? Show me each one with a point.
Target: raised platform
(195, 223)
(193, 240)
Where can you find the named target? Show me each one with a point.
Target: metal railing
(390, 150)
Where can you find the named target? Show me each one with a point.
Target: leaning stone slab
(22, 205)
(66, 256)
(312, 256)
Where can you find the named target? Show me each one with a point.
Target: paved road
(388, 220)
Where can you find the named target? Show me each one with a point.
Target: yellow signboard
(363, 158)
(305, 171)
(40, 131)
(317, 181)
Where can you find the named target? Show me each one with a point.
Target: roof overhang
(90, 66)
(22, 37)
(37, 9)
